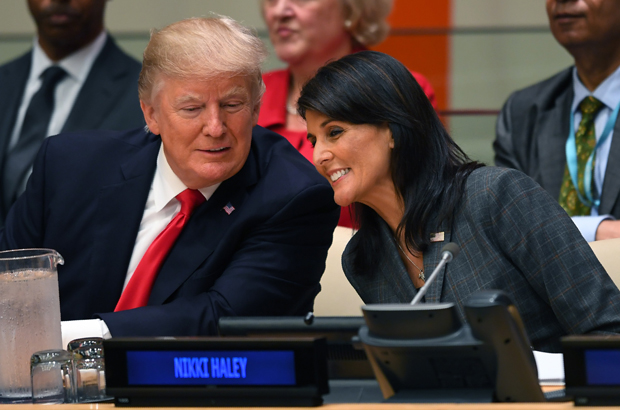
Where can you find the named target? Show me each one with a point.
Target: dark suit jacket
(107, 100)
(513, 237)
(86, 198)
(531, 135)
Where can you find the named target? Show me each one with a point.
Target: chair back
(608, 253)
(337, 297)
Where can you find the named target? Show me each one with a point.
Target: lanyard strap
(571, 158)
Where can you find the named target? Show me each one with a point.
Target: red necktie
(138, 290)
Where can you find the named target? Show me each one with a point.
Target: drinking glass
(52, 377)
(89, 369)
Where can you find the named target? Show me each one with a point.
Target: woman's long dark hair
(428, 169)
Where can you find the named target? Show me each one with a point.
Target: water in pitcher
(29, 322)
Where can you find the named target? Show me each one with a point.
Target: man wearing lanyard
(561, 131)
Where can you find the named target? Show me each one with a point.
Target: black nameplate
(216, 371)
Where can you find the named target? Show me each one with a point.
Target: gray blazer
(108, 99)
(514, 237)
(531, 135)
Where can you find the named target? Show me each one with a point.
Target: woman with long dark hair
(381, 145)
(306, 35)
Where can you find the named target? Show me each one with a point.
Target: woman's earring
(348, 24)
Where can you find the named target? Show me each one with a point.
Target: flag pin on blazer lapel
(437, 237)
(229, 208)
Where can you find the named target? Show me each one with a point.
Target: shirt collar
(167, 185)
(77, 65)
(608, 92)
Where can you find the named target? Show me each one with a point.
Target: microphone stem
(445, 259)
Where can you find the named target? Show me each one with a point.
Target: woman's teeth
(337, 175)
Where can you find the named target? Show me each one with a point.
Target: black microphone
(448, 252)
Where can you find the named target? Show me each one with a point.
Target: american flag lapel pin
(229, 208)
(437, 237)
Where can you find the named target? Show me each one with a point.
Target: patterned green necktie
(585, 141)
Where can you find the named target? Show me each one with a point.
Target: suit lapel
(432, 257)
(204, 232)
(12, 83)
(117, 220)
(13, 80)
(611, 183)
(551, 133)
(88, 112)
(391, 284)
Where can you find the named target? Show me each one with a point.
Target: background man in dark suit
(257, 239)
(534, 125)
(74, 78)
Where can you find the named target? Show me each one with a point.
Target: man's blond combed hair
(202, 49)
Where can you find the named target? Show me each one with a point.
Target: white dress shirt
(160, 208)
(608, 92)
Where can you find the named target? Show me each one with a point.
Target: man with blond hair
(204, 215)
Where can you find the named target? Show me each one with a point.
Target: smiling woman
(380, 144)
(354, 157)
(306, 34)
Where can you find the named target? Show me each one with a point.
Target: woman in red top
(306, 34)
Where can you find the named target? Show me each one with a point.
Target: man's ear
(150, 117)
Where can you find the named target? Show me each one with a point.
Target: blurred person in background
(562, 131)
(306, 34)
(74, 78)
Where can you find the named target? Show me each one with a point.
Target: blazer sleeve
(540, 239)
(274, 271)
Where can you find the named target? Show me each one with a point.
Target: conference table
(341, 406)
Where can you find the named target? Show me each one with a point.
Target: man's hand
(608, 229)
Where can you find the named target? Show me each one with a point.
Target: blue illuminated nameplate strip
(602, 367)
(249, 368)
